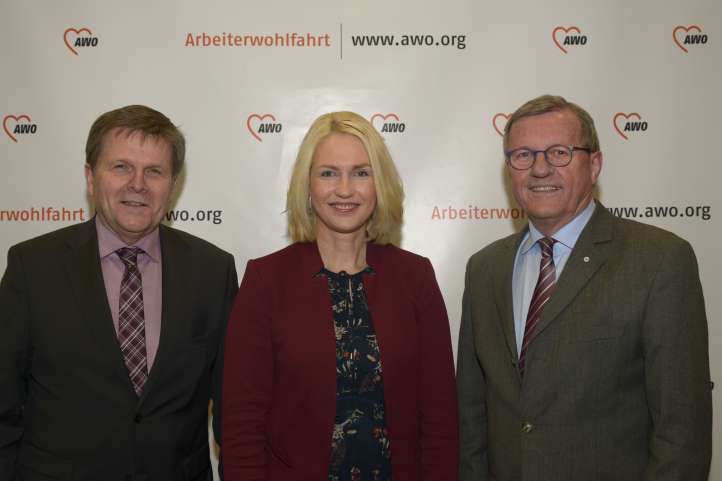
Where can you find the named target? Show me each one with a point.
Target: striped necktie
(131, 322)
(542, 293)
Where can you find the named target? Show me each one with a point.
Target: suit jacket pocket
(208, 343)
(599, 332)
(207, 337)
(43, 462)
(198, 463)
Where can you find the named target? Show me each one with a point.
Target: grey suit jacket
(67, 408)
(617, 382)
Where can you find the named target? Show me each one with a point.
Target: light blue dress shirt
(528, 258)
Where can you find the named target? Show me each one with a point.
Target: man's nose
(540, 167)
(137, 180)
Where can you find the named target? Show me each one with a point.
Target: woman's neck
(342, 252)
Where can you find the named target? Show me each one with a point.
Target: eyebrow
(129, 162)
(556, 144)
(333, 167)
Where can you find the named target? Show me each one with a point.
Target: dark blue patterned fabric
(360, 448)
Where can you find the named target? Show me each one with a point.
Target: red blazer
(279, 382)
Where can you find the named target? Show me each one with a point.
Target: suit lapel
(313, 299)
(82, 264)
(175, 305)
(589, 254)
(504, 269)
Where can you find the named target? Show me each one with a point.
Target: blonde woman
(338, 362)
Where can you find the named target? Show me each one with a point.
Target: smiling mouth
(544, 188)
(132, 203)
(343, 208)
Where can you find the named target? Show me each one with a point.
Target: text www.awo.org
(703, 212)
(214, 216)
(410, 40)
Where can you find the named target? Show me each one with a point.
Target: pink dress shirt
(151, 272)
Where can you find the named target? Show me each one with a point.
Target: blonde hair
(384, 226)
(554, 103)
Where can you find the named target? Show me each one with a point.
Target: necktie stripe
(534, 316)
(542, 293)
(131, 322)
(544, 290)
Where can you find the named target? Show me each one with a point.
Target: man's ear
(596, 159)
(89, 178)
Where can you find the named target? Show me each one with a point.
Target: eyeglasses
(556, 155)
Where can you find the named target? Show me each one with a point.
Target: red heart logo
(499, 130)
(260, 119)
(626, 116)
(384, 117)
(77, 32)
(566, 31)
(16, 119)
(686, 29)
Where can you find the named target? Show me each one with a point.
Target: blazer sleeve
(247, 381)
(14, 361)
(229, 293)
(473, 463)
(677, 375)
(437, 395)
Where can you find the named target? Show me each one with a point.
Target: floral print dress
(360, 448)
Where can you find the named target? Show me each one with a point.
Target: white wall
(449, 152)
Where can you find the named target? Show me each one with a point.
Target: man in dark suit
(583, 349)
(110, 330)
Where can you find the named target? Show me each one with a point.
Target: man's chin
(131, 233)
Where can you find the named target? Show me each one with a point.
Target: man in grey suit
(583, 349)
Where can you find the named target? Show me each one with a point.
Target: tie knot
(129, 255)
(547, 246)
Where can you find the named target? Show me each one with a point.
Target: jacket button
(526, 428)
(137, 418)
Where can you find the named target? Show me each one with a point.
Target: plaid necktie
(542, 293)
(131, 323)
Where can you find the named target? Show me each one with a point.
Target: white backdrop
(440, 104)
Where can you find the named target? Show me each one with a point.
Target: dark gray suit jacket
(67, 408)
(617, 382)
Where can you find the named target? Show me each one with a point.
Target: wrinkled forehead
(132, 135)
(557, 126)
(145, 140)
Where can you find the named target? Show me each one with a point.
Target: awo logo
(390, 123)
(565, 37)
(686, 36)
(498, 121)
(17, 125)
(625, 124)
(262, 124)
(76, 38)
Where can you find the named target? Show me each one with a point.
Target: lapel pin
(586, 258)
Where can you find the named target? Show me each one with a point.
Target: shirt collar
(109, 242)
(567, 235)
